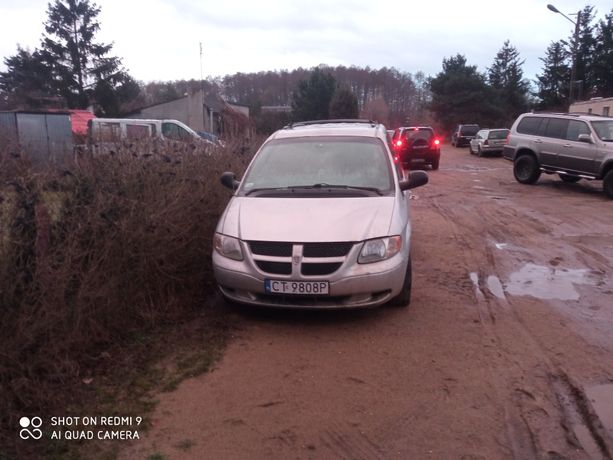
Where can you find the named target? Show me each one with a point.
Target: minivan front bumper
(353, 285)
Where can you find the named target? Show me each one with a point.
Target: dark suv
(416, 145)
(463, 134)
(573, 146)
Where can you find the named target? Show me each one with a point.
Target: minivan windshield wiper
(322, 185)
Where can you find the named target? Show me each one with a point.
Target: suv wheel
(404, 298)
(479, 151)
(569, 179)
(526, 169)
(607, 184)
(434, 164)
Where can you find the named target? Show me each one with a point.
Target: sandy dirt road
(505, 352)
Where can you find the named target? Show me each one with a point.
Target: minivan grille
(326, 249)
(271, 248)
(281, 254)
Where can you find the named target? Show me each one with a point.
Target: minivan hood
(307, 219)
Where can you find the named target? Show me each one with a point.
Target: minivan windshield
(321, 163)
(604, 129)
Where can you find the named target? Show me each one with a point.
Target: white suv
(320, 219)
(574, 146)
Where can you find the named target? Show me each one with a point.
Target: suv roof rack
(571, 114)
(325, 122)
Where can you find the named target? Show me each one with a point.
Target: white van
(103, 130)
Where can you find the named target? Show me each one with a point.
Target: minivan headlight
(228, 246)
(380, 249)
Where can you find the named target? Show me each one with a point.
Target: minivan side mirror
(228, 179)
(587, 138)
(415, 179)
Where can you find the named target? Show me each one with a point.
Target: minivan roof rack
(326, 122)
(572, 114)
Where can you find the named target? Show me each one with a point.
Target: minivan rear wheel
(526, 169)
(404, 298)
(607, 184)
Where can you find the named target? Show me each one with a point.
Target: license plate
(297, 287)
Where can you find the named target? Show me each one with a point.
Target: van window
(175, 132)
(136, 132)
(575, 128)
(557, 128)
(529, 125)
(108, 132)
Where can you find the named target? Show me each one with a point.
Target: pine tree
(311, 101)
(603, 58)
(344, 104)
(461, 95)
(27, 81)
(585, 48)
(553, 83)
(78, 62)
(506, 79)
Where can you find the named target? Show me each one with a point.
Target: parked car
(320, 219)
(463, 134)
(116, 129)
(488, 141)
(417, 145)
(574, 146)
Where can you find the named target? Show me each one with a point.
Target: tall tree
(311, 101)
(506, 78)
(27, 81)
(344, 104)
(553, 83)
(603, 57)
(78, 62)
(460, 95)
(584, 46)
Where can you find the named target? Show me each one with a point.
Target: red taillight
(437, 142)
(399, 143)
(396, 159)
(486, 142)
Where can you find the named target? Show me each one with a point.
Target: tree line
(70, 68)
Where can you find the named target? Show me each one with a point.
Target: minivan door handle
(538, 141)
(567, 145)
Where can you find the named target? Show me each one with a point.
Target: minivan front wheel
(404, 298)
(607, 184)
(526, 169)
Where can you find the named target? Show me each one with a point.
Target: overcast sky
(159, 39)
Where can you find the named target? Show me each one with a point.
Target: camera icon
(30, 428)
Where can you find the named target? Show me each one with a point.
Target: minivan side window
(575, 128)
(529, 125)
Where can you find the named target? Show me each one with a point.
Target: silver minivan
(320, 219)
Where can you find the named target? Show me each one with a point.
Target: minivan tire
(526, 169)
(607, 184)
(404, 298)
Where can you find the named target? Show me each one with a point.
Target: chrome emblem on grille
(296, 260)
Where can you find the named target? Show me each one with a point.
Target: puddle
(495, 286)
(474, 277)
(601, 398)
(547, 282)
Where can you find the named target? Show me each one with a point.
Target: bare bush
(108, 246)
